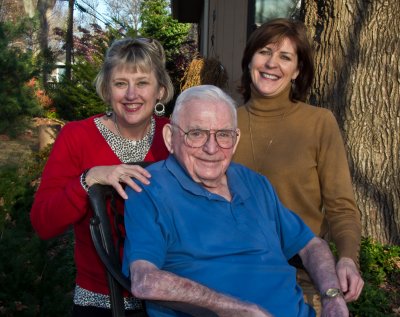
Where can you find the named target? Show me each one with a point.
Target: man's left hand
(350, 279)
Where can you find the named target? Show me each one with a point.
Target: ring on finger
(121, 177)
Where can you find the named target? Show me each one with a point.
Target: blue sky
(101, 8)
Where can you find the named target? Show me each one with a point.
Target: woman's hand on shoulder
(117, 175)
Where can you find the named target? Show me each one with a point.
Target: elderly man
(209, 237)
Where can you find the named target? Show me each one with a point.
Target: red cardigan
(61, 201)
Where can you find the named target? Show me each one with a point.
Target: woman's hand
(115, 175)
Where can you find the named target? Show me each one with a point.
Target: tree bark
(43, 7)
(69, 41)
(357, 50)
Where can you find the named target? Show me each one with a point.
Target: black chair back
(101, 198)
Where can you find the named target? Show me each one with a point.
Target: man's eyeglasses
(196, 138)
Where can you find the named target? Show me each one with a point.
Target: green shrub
(77, 99)
(37, 277)
(380, 267)
(16, 68)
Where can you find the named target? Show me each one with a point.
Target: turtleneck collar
(267, 106)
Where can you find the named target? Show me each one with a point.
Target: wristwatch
(332, 293)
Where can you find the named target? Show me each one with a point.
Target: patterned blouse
(128, 151)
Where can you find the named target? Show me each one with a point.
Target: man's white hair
(208, 93)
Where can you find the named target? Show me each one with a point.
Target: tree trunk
(357, 52)
(69, 41)
(43, 7)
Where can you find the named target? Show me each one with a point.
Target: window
(265, 10)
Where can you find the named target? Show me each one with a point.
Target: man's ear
(167, 135)
(237, 140)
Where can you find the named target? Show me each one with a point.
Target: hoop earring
(159, 109)
(109, 112)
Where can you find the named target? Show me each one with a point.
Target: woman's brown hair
(275, 31)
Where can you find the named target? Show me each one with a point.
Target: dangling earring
(159, 109)
(293, 84)
(109, 112)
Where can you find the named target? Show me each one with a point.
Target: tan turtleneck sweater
(300, 149)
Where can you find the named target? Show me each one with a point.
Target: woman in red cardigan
(134, 82)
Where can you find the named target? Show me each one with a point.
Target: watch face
(332, 292)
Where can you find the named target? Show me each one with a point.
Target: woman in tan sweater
(298, 146)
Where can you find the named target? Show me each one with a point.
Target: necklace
(119, 132)
(128, 150)
(117, 127)
(269, 143)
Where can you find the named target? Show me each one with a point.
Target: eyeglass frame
(235, 134)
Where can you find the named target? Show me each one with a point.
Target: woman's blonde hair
(139, 53)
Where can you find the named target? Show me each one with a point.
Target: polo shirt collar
(236, 185)
(238, 191)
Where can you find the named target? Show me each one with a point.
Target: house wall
(227, 31)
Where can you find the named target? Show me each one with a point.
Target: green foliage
(77, 99)
(157, 22)
(36, 276)
(16, 68)
(380, 267)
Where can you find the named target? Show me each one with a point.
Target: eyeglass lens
(224, 138)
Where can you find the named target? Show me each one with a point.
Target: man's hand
(350, 279)
(334, 307)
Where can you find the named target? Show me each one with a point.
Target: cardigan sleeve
(339, 204)
(61, 200)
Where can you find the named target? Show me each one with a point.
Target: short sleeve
(145, 231)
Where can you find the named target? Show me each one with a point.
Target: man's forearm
(320, 264)
(179, 293)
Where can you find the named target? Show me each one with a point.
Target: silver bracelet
(83, 180)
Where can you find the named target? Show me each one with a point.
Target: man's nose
(211, 146)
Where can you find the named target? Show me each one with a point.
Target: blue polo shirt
(238, 247)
